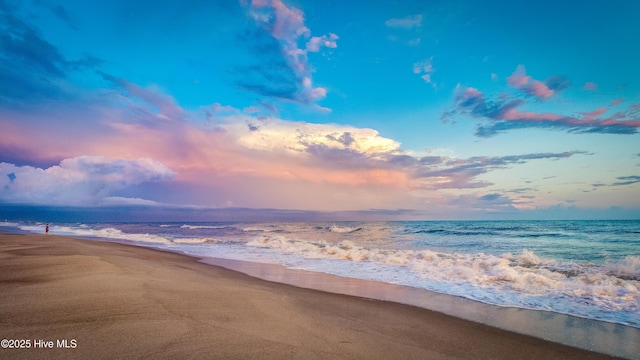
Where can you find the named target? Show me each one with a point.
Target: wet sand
(117, 301)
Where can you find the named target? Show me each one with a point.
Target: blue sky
(442, 109)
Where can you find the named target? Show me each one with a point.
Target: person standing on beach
(46, 229)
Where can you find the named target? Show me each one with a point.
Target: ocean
(587, 269)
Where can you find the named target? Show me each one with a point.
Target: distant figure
(46, 229)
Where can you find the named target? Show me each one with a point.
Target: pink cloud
(164, 106)
(284, 23)
(316, 42)
(595, 113)
(521, 81)
(514, 114)
(540, 90)
(587, 120)
(504, 114)
(327, 159)
(291, 162)
(628, 123)
(424, 68)
(519, 78)
(318, 93)
(472, 93)
(590, 86)
(287, 25)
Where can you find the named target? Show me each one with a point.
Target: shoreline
(593, 335)
(110, 297)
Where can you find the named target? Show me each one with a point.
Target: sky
(456, 109)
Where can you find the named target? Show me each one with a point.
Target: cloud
(521, 81)
(424, 68)
(595, 113)
(294, 138)
(342, 148)
(86, 180)
(462, 173)
(621, 181)
(504, 114)
(487, 203)
(627, 180)
(61, 13)
(557, 82)
(222, 153)
(31, 68)
(23, 42)
(590, 86)
(495, 198)
(317, 42)
(285, 23)
(408, 30)
(22, 47)
(158, 104)
(408, 22)
(284, 71)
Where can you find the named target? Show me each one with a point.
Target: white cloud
(117, 200)
(424, 68)
(316, 42)
(275, 135)
(84, 180)
(407, 22)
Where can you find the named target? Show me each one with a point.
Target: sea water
(588, 269)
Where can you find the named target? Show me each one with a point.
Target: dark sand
(119, 301)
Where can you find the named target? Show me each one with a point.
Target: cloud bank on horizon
(434, 107)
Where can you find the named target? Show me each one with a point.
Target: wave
(196, 227)
(116, 234)
(487, 232)
(107, 233)
(344, 229)
(628, 268)
(194, 240)
(266, 229)
(447, 232)
(610, 289)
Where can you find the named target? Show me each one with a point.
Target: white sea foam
(260, 229)
(111, 233)
(481, 276)
(194, 240)
(195, 227)
(627, 268)
(343, 229)
(108, 233)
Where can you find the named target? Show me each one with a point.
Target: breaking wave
(116, 234)
(529, 280)
(344, 229)
(196, 227)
